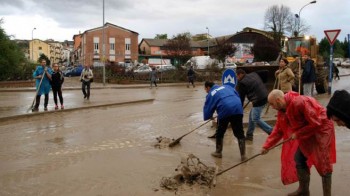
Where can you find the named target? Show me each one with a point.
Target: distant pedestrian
(225, 101)
(338, 108)
(153, 77)
(335, 72)
(251, 86)
(57, 80)
(190, 77)
(284, 76)
(42, 72)
(86, 78)
(308, 76)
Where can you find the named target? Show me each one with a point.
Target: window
(111, 43)
(95, 46)
(127, 44)
(40, 48)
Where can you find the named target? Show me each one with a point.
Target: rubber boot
(327, 184)
(217, 153)
(304, 182)
(241, 144)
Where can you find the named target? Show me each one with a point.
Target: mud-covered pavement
(110, 150)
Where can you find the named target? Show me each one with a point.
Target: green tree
(179, 47)
(338, 49)
(161, 36)
(12, 59)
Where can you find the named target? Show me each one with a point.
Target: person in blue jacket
(42, 71)
(226, 102)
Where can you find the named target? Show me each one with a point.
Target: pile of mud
(191, 171)
(163, 142)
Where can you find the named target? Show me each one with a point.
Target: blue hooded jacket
(225, 100)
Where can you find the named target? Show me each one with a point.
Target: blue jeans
(254, 119)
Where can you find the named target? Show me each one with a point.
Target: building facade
(121, 45)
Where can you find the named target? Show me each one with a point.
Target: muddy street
(110, 150)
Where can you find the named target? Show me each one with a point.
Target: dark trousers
(37, 100)
(300, 160)
(191, 79)
(236, 125)
(85, 87)
(57, 90)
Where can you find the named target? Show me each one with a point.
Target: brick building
(121, 45)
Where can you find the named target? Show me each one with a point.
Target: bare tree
(296, 29)
(223, 49)
(179, 47)
(276, 20)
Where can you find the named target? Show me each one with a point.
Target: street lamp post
(298, 15)
(33, 43)
(103, 45)
(208, 39)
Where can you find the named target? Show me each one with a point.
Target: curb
(20, 116)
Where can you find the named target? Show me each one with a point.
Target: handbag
(91, 80)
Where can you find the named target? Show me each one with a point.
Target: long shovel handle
(37, 91)
(178, 139)
(223, 171)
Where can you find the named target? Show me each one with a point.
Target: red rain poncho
(315, 135)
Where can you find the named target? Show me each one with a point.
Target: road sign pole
(330, 78)
(331, 36)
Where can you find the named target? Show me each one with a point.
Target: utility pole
(33, 44)
(208, 39)
(103, 45)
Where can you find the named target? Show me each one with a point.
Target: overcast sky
(61, 19)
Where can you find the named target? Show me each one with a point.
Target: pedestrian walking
(304, 120)
(335, 72)
(308, 76)
(57, 80)
(86, 78)
(42, 72)
(251, 86)
(284, 76)
(153, 76)
(190, 77)
(225, 101)
(338, 108)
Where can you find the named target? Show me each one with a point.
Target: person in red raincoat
(305, 121)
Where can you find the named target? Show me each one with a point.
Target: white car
(143, 69)
(345, 64)
(231, 66)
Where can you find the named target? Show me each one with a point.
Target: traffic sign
(229, 77)
(332, 35)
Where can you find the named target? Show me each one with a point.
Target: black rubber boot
(218, 151)
(241, 144)
(212, 136)
(327, 184)
(304, 182)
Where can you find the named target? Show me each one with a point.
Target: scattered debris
(191, 171)
(163, 142)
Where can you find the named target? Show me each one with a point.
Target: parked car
(74, 71)
(143, 69)
(345, 64)
(163, 68)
